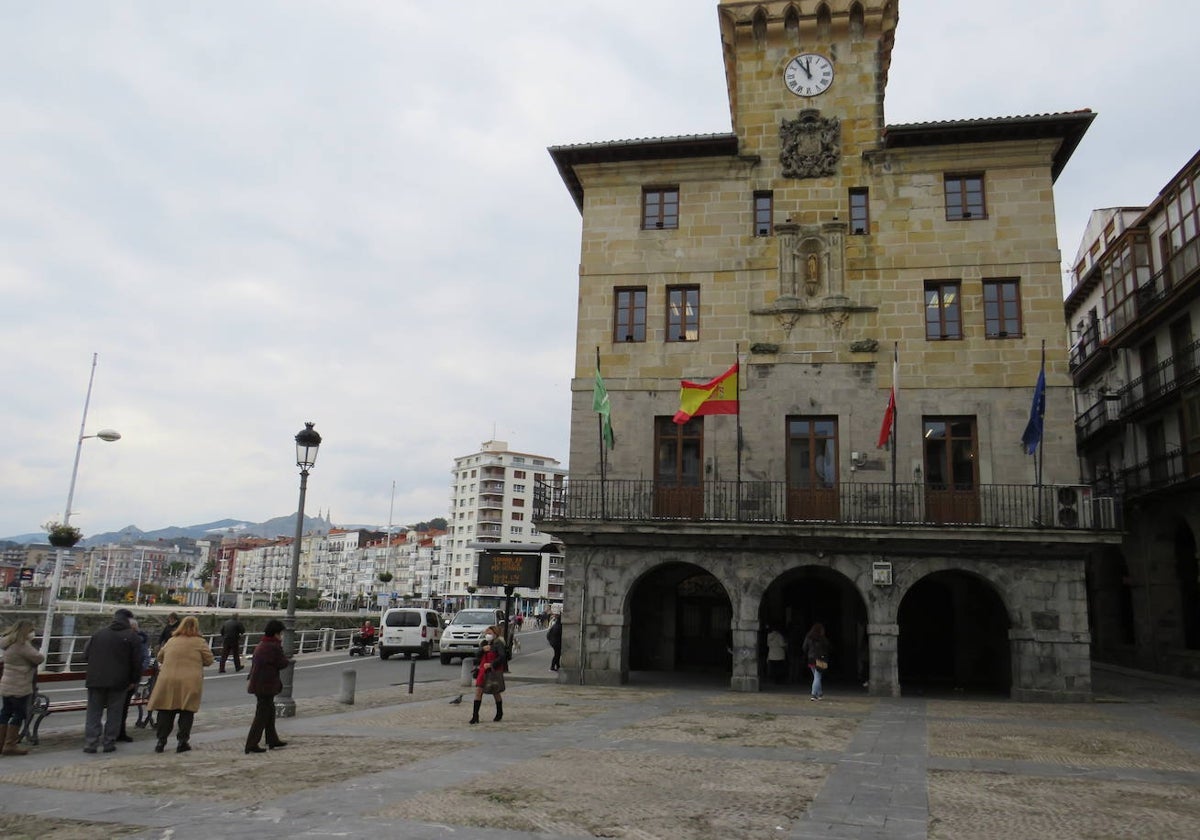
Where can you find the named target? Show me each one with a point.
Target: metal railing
(1162, 380)
(1156, 473)
(1104, 412)
(1069, 507)
(66, 652)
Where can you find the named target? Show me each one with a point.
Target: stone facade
(814, 310)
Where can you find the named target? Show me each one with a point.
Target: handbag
(821, 664)
(493, 683)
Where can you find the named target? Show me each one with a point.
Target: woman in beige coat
(180, 683)
(20, 660)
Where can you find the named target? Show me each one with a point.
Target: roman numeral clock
(808, 74)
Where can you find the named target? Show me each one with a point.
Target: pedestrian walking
(816, 650)
(490, 662)
(20, 660)
(776, 655)
(180, 683)
(231, 642)
(144, 659)
(264, 683)
(554, 638)
(113, 668)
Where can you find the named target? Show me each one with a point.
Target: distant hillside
(280, 526)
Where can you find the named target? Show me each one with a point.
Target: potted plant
(61, 535)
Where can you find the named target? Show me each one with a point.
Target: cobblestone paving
(222, 771)
(638, 764)
(1075, 747)
(984, 806)
(20, 827)
(597, 793)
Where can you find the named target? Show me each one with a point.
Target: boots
(475, 712)
(11, 734)
(499, 711)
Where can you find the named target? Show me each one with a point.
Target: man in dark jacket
(554, 637)
(231, 642)
(113, 668)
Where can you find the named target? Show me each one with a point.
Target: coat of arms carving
(811, 145)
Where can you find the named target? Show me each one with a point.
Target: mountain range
(276, 527)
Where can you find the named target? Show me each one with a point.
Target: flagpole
(737, 353)
(600, 442)
(1041, 450)
(895, 423)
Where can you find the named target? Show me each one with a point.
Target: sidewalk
(644, 761)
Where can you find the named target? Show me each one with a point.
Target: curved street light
(107, 435)
(308, 441)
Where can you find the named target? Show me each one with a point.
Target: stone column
(884, 642)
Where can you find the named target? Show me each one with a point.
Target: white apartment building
(491, 501)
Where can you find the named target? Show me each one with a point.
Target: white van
(410, 630)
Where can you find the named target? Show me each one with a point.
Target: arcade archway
(954, 636)
(802, 597)
(680, 619)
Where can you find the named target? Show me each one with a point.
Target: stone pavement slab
(669, 760)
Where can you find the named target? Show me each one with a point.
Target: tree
(385, 577)
(207, 571)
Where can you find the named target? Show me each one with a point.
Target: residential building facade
(1133, 313)
(835, 260)
(492, 502)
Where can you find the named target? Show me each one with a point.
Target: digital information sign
(523, 570)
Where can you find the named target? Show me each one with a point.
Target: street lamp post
(307, 443)
(60, 556)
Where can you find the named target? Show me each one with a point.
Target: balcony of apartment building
(1172, 471)
(841, 506)
(489, 529)
(1162, 384)
(1100, 423)
(1155, 299)
(492, 485)
(491, 501)
(492, 471)
(1085, 358)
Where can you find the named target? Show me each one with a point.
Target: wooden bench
(41, 707)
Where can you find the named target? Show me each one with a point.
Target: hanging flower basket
(62, 536)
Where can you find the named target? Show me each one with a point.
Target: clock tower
(823, 63)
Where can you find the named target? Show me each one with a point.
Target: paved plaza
(686, 761)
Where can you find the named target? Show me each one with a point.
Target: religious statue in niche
(810, 145)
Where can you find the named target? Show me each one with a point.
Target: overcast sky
(262, 213)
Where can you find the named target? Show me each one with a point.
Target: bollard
(349, 677)
(412, 673)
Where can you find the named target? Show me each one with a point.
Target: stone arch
(857, 21)
(758, 25)
(954, 635)
(791, 23)
(824, 22)
(803, 595)
(678, 616)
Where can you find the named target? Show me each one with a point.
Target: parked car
(463, 633)
(409, 630)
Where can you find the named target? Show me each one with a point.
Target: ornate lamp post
(60, 555)
(307, 443)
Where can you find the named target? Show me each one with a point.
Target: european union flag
(1037, 413)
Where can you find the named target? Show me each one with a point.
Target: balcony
(1061, 507)
(1085, 350)
(1103, 417)
(1165, 472)
(1162, 381)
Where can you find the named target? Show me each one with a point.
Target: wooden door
(812, 468)
(678, 488)
(951, 474)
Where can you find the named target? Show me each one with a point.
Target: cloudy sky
(261, 213)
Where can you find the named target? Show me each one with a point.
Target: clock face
(808, 74)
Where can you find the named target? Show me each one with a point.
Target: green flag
(600, 404)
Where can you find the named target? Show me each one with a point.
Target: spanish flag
(719, 396)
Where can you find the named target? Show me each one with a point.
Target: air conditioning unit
(1072, 505)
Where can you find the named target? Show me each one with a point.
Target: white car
(464, 632)
(410, 630)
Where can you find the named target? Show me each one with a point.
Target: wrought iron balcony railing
(1072, 507)
(1162, 380)
(1157, 473)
